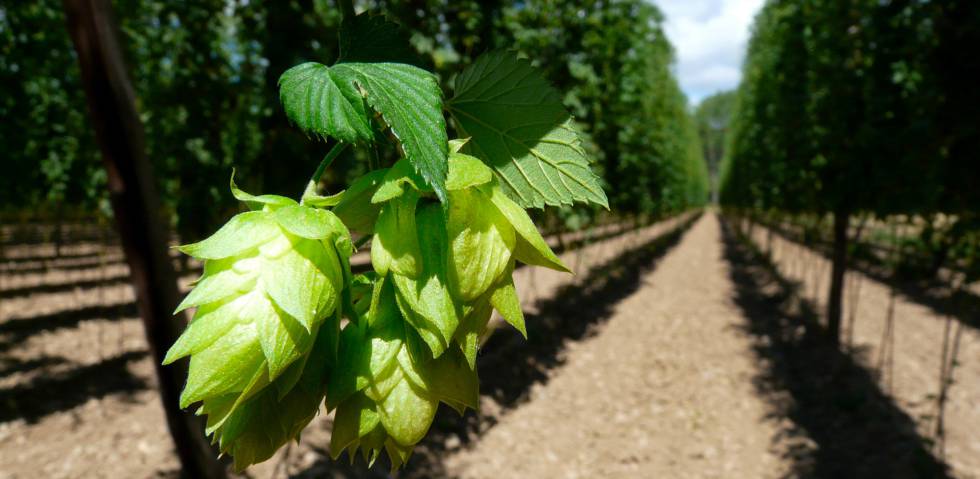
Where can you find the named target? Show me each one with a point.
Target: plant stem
(362, 241)
(327, 160)
(347, 9)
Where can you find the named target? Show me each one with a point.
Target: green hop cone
(443, 262)
(272, 283)
(258, 427)
(410, 247)
(488, 233)
(387, 386)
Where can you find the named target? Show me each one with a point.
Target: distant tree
(713, 116)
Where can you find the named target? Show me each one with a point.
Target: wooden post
(138, 215)
(839, 267)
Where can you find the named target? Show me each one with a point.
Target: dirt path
(663, 390)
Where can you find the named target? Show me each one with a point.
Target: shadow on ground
(841, 424)
(62, 264)
(15, 331)
(931, 293)
(62, 391)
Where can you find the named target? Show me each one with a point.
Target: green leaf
(473, 325)
(481, 242)
(385, 336)
(320, 101)
(396, 179)
(531, 248)
(283, 342)
(395, 244)
(258, 202)
(355, 418)
(450, 380)
(293, 373)
(310, 223)
(410, 102)
(350, 359)
(371, 38)
(210, 322)
(427, 308)
(327, 101)
(304, 281)
(455, 146)
(311, 198)
(518, 125)
(407, 413)
(226, 365)
(216, 286)
(397, 453)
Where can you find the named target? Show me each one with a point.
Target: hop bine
(266, 345)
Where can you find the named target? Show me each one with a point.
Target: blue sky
(709, 37)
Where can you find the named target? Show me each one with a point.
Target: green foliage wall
(857, 106)
(206, 77)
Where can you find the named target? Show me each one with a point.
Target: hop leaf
(520, 127)
(333, 101)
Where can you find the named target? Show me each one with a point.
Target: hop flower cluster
(281, 324)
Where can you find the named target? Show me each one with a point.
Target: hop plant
(281, 323)
(271, 289)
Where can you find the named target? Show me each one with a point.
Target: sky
(709, 37)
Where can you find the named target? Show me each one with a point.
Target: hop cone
(387, 385)
(488, 233)
(270, 290)
(449, 267)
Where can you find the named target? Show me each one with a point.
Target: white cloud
(710, 38)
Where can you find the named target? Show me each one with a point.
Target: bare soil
(673, 352)
(662, 390)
